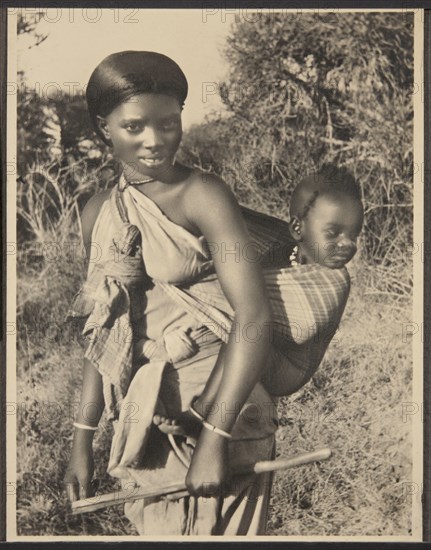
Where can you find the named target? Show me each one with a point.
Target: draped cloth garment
(155, 328)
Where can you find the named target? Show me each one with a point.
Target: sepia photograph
(215, 261)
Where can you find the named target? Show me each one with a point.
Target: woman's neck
(174, 173)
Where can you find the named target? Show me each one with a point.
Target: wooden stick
(289, 462)
(137, 493)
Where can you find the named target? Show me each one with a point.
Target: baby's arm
(204, 402)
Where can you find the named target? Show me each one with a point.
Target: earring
(102, 126)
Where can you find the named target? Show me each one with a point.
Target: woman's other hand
(80, 471)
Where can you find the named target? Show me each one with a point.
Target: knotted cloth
(133, 428)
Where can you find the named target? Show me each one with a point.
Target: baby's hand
(208, 470)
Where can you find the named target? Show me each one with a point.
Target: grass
(353, 404)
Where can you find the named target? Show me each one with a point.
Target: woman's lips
(152, 162)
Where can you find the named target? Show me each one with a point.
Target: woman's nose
(151, 138)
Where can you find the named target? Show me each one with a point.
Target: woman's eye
(132, 127)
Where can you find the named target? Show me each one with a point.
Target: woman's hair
(329, 180)
(125, 74)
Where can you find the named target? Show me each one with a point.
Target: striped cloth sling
(307, 303)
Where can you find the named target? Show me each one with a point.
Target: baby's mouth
(340, 260)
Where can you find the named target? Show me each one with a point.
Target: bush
(306, 90)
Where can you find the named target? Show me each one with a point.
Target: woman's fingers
(72, 491)
(206, 490)
(177, 496)
(75, 491)
(86, 491)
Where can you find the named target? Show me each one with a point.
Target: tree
(60, 160)
(27, 26)
(303, 90)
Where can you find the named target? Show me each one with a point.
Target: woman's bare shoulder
(90, 212)
(199, 177)
(211, 206)
(205, 188)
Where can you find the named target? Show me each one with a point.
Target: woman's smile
(152, 162)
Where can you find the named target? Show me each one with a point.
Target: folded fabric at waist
(168, 381)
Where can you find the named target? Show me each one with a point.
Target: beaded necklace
(294, 257)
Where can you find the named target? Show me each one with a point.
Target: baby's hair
(302, 215)
(329, 180)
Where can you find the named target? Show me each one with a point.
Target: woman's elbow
(254, 313)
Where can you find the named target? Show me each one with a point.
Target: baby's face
(330, 231)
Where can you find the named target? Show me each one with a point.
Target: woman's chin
(142, 169)
(153, 168)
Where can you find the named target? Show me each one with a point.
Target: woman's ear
(103, 127)
(295, 226)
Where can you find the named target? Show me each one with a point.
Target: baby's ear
(103, 126)
(295, 227)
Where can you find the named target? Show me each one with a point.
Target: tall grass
(352, 404)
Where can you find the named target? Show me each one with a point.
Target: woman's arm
(80, 470)
(212, 208)
(81, 466)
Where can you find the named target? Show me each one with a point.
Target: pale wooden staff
(120, 497)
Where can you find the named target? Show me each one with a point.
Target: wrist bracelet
(212, 428)
(196, 414)
(84, 426)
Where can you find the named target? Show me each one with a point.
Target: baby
(326, 217)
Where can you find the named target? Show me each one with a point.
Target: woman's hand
(208, 470)
(81, 466)
(80, 471)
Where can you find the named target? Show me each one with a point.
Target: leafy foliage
(304, 90)
(61, 163)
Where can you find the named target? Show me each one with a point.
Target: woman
(186, 220)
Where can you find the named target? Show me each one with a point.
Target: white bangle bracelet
(212, 428)
(84, 426)
(196, 414)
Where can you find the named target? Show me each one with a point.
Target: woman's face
(145, 132)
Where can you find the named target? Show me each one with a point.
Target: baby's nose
(346, 242)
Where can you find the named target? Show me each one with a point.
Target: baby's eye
(331, 233)
(169, 124)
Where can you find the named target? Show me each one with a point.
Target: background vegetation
(301, 91)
